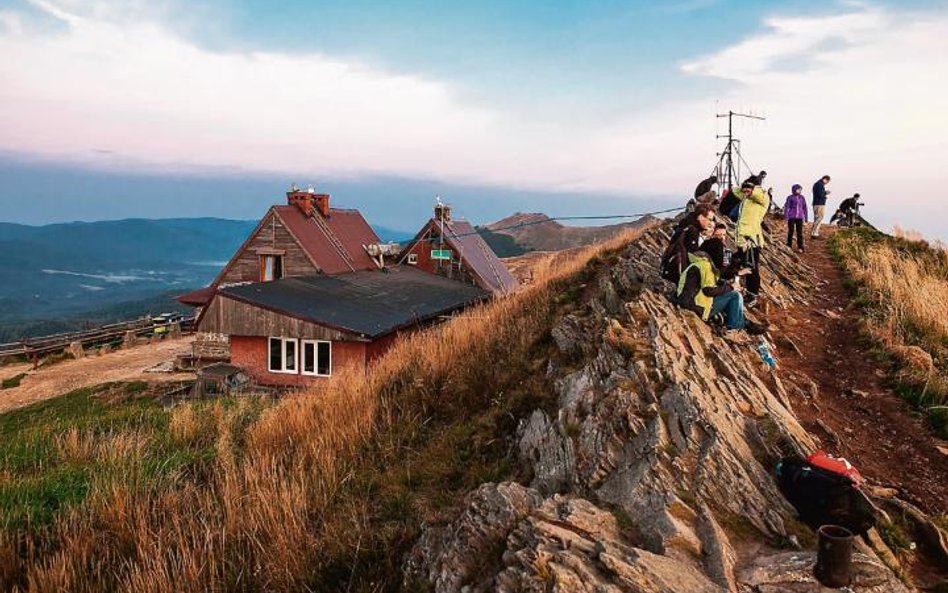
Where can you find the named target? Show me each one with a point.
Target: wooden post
(75, 349)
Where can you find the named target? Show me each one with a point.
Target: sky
(120, 108)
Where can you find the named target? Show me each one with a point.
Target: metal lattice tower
(729, 161)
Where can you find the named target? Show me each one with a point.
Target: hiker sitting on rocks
(702, 290)
(717, 249)
(704, 192)
(685, 240)
(749, 235)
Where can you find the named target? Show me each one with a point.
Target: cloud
(858, 93)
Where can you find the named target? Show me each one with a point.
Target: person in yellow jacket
(749, 234)
(702, 290)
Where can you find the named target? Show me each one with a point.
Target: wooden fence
(35, 348)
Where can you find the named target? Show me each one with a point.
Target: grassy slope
(322, 492)
(902, 289)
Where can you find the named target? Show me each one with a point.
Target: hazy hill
(540, 233)
(63, 276)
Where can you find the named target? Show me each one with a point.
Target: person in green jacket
(702, 290)
(749, 235)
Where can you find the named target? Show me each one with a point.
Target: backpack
(675, 258)
(836, 465)
(673, 261)
(824, 497)
(729, 205)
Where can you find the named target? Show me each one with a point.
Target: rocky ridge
(653, 475)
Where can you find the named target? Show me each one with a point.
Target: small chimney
(442, 211)
(301, 199)
(322, 204)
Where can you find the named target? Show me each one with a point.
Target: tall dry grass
(270, 514)
(903, 284)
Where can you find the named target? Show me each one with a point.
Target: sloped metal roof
(489, 271)
(335, 247)
(370, 303)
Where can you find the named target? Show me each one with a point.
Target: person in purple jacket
(794, 210)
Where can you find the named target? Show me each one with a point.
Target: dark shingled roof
(371, 303)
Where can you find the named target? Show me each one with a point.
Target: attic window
(413, 259)
(271, 267)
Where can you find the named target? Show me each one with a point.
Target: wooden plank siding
(271, 236)
(235, 318)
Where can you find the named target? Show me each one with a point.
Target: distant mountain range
(522, 233)
(60, 277)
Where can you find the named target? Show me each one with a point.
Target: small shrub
(12, 382)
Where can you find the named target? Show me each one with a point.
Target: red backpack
(836, 465)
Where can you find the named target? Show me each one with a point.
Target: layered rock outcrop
(653, 474)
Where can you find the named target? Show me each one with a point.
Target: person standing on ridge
(819, 205)
(794, 210)
(704, 192)
(749, 235)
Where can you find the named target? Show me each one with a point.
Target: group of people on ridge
(709, 279)
(706, 273)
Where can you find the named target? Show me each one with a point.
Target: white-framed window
(282, 355)
(412, 259)
(316, 358)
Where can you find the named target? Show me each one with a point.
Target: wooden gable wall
(236, 318)
(271, 236)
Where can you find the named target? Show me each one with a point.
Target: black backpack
(675, 259)
(822, 497)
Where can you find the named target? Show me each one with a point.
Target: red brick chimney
(322, 204)
(302, 199)
(442, 210)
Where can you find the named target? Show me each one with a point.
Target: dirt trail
(852, 399)
(119, 365)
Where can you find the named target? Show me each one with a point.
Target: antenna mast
(728, 169)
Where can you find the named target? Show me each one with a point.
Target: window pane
(309, 357)
(324, 358)
(290, 355)
(276, 354)
(267, 268)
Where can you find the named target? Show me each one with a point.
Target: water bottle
(763, 348)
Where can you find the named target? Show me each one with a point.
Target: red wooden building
(295, 330)
(302, 297)
(453, 248)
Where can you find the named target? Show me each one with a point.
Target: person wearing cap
(749, 234)
(795, 212)
(702, 290)
(819, 204)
